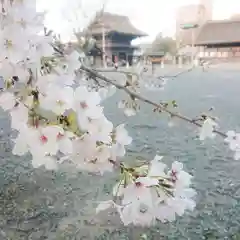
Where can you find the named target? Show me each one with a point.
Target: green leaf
(142, 170)
(71, 121)
(174, 103)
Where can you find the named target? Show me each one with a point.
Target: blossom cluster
(151, 193)
(60, 118)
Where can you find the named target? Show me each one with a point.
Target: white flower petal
(157, 169)
(129, 112)
(177, 166)
(207, 129)
(7, 101)
(48, 162)
(147, 181)
(158, 158)
(237, 155)
(104, 206)
(20, 148)
(231, 134)
(65, 146)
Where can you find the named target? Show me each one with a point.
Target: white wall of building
(196, 14)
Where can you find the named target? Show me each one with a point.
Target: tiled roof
(219, 32)
(114, 23)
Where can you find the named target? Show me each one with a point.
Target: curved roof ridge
(114, 23)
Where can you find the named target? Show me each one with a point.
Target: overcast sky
(151, 16)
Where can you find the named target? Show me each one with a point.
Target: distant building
(154, 57)
(192, 14)
(117, 32)
(235, 16)
(207, 10)
(219, 39)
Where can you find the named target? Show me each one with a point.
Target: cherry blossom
(38, 140)
(21, 146)
(87, 106)
(105, 205)
(207, 129)
(91, 156)
(138, 202)
(173, 207)
(106, 92)
(8, 70)
(233, 139)
(157, 167)
(178, 175)
(73, 61)
(120, 140)
(64, 141)
(26, 17)
(45, 82)
(121, 135)
(39, 46)
(19, 116)
(44, 140)
(14, 44)
(127, 108)
(57, 99)
(101, 129)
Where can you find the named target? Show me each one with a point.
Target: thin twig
(178, 74)
(115, 71)
(143, 99)
(146, 75)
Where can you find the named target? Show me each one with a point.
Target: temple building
(219, 39)
(113, 34)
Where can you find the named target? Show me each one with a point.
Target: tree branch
(143, 99)
(115, 71)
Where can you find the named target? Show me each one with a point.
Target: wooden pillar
(180, 61)
(174, 60)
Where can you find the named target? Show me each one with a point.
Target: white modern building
(192, 14)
